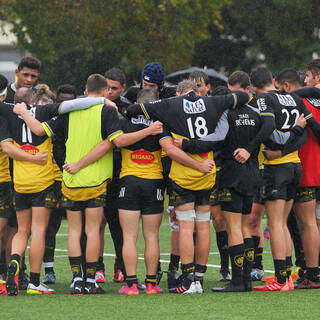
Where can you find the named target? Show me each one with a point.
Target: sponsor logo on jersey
(286, 100)
(192, 107)
(314, 102)
(141, 120)
(142, 157)
(262, 104)
(204, 155)
(244, 120)
(29, 148)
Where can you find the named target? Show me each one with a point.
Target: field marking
(141, 258)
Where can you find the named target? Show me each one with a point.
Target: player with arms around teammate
(282, 175)
(190, 116)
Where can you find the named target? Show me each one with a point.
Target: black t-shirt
(189, 116)
(122, 104)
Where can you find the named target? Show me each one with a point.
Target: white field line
(141, 258)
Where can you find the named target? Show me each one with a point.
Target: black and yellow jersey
(110, 129)
(190, 117)
(142, 159)
(29, 177)
(4, 160)
(236, 129)
(287, 107)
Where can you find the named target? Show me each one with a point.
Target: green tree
(128, 33)
(286, 32)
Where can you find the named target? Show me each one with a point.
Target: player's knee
(202, 216)
(186, 215)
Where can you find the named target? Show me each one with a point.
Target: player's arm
(312, 123)
(128, 139)
(105, 146)
(267, 127)
(308, 92)
(17, 154)
(83, 103)
(112, 129)
(34, 124)
(49, 111)
(232, 100)
(59, 140)
(280, 144)
(292, 145)
(180, 156)
(154, 110)
(95, 154)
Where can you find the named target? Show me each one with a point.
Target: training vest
(310, 153)
(84, 132)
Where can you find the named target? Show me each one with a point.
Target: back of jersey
(142, 159)
(287, 108)
(190, 117)
(193, 118)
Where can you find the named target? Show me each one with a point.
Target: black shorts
(282, 181)
(45, 198)
(111, 206)
(5, 199)
(260, 195)
(214, 196)
(317, 193)
(182, 196)
(144, 195)
(72, 205)
(232, 201)
(305, 194)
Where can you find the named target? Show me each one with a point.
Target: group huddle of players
(224, 154)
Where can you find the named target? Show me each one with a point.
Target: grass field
(300, 304)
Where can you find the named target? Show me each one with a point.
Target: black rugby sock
(222, 242)
(236, 256)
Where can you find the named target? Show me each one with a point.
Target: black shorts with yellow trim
(180, 196)
(232, 201)
(45, 198)
(5, 199)
(282, 181)
(214, 196)
(73, 205)
(305, 194)
(144, 195)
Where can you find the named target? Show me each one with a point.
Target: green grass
(303, 304)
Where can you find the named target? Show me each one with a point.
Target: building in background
(10, 54)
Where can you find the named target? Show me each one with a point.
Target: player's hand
(301, 122)
(41, 157)
(71, 167)
(272, 154)
(156, 128)
(178, 142)
(110, 103)
(241, 155)
(19, 108)
(206, 166)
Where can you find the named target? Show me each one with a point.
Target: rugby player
(190, 116)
